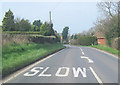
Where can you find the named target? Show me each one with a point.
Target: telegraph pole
(50, 18)
(118, 19)
(50, 22)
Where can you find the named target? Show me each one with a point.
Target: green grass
(108, 49)
(16, 56)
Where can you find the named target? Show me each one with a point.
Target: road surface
(73, 64)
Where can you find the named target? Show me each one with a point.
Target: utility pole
(50, 18)
(118, 19)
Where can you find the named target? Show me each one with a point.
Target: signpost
(61, 38)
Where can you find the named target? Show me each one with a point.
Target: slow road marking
(37, 71)
(62, 75)
(41, 72)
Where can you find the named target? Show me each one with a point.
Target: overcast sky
(79, 16)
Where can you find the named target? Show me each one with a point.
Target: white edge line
(115, 56)
(96, 76)
(26, 68)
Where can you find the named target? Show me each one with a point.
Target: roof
(99, 34)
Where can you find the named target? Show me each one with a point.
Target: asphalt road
(73, 64)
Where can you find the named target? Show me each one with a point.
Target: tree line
(9, 23)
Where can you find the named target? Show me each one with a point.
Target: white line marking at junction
(89, 60)
(96, 76)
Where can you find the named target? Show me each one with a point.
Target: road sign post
(61, 38)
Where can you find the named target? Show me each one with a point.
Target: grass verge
(15, 57)
(108, 49)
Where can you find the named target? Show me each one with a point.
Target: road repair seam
(26, 68)
(96, 76)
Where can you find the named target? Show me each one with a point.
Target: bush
(115, 43)
(73, 42)
(87, 40)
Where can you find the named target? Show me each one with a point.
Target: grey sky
(79, 16)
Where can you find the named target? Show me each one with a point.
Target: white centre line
(82, 52)
(96, 76)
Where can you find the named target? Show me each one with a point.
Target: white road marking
(96, 76)
(27, 68)
(33, 71)
(81, 49)
(76, 72)
(82, 52)
(62, 75)
(43, 73)
(114, 56)
(89, 60)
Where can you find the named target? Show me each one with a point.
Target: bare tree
(108, 8)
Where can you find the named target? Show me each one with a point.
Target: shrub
(87, 40)
(115, 43)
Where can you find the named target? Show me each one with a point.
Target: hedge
(42, 39)
(26, 37)
(21, 32)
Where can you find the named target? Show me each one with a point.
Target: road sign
(61, 37)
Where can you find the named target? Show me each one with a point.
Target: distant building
(100, 38)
